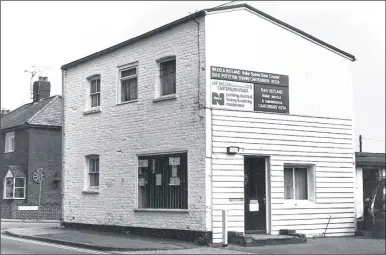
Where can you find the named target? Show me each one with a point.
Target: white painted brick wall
(120, 132)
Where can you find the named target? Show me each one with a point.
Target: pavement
(49, 238)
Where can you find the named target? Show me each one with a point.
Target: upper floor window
(95, 92)
(167, 76)
(129, 83)
(14, 188)
(9, 141)
(299, 182)
(93, 171)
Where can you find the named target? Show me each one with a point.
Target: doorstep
(266, 239)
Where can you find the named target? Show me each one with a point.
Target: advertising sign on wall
(249, 90)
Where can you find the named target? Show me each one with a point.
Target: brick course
(120, 132)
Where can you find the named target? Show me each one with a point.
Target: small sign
(174, 171)
(27, 208)
(158, 179)
(141, 182)
(175, 181)
(235, 200)
(271, 98)
(143, 163)
(174, 161)
(254, 205)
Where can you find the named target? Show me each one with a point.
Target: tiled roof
(367, 159)
(45, 112)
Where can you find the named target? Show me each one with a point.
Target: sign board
(232, 95)
(158, 179)
(27, 208)
(254, 205)
(143, 163)
(245, 90)
(174, 161)
(141, 182)
(175, 181)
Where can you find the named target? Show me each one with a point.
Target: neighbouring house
(227, 110)
(31, 136)
(370, 169)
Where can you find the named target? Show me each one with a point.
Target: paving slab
(98, 240)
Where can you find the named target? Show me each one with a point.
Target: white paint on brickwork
(121, 132)
(317, 131)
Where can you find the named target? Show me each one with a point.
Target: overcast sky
(49, 34)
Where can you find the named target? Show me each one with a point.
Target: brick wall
(45, 152)
(48, 211)
(119, 132)
(19, 156)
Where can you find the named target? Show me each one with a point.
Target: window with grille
(129, 83)
(95, 92)
(167, 77)
(93, 171)
(163, 181)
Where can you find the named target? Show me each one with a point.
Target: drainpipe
(198, 64)
(62, 165)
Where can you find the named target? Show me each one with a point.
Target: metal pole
(224, 227)
(360, 143)
(40, 192)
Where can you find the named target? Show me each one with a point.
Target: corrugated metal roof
(368, 159)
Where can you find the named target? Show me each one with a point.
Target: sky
(48, 34)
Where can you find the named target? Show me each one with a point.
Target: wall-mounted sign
(238, 89)
(175, 181)
(174, 161)
(143, 163)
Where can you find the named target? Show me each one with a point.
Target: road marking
(53, 245)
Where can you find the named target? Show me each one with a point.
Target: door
(254, 194)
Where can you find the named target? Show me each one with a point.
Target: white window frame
(9, 136)
(159, 82)
(88, 101)
(96, 93)
(120, 79)
(13, 192)
(88, 173)
(311, 183)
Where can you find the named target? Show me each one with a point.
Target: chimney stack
(41, 89)
(4, 112)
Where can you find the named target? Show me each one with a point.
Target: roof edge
(53, 99)
(288, 26)
(135, 39)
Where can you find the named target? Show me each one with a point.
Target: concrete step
(265, 239)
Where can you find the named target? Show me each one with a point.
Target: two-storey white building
(225, 109)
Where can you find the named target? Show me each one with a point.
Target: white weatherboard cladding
(318, 129)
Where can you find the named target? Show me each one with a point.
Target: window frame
(96, 93)
(311, 183)
(183, 186)
(161, 89)
(14, 187)
(8, 137)
(89, 159)
(130, 77)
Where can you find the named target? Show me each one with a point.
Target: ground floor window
(299, 182)
(163, 181)
(14, 188)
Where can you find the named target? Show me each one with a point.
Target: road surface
(13, 245)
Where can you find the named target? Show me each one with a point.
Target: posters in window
(158, 179)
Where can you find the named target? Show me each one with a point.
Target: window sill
(8, 151)
(163, 98)
(96, 110)
(90, 191)
(128, 102)
(291, 202)
(161, 210)
(14, 198)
